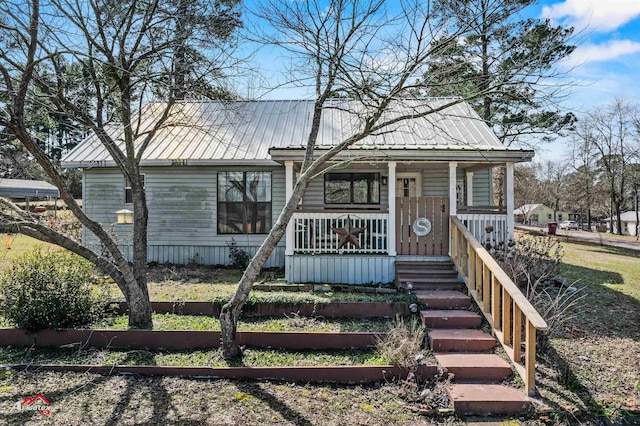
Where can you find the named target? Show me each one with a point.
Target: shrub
(238, 258)
(533, 264)
(50, 289)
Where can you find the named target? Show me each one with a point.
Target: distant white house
(628, 221)
(538, 215)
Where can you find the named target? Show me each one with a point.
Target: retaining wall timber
(327, 310)
(321, 374)
(178, 340)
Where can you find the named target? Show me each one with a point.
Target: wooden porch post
(452, 188)
(452, 201)
(391, 225)
(469, 188)
(288, 172)
(509, 201)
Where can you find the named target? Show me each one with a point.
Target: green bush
(50, 289)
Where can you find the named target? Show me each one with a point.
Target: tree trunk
(139, 306)
(230, 312)
(619, 218)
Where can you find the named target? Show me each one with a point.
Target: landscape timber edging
(326, 310)
(186, 339)
(347, 374)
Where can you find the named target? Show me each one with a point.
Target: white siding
(482, 188)
(435, 181)
(182, 213)
(340, 269)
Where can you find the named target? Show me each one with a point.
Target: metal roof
(252, 132)
(526, 209)
(27, 188)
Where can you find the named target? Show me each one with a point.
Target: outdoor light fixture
(384, 180)
(124, 216)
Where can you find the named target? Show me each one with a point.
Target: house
(222, 171)
(628, 221)
(539, 215)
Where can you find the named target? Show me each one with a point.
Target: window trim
(127, 187)
(376, 175)
(244, 201)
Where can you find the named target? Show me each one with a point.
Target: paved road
(590, 237)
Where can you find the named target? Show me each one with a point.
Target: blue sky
(605, 65)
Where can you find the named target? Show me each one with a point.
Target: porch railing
(486, 228)
(504, 306)
(314, 232)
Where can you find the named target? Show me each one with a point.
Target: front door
(409, 184)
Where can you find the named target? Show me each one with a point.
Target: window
(128, 194)
(244, 202)
(352, 188)
(549, 216)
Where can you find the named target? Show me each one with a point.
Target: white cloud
(600, 15)
(604, 52)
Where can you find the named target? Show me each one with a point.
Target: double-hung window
(128, 193)
(352, 188)
(244, 202)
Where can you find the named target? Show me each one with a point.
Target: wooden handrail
(516, 294)
(501, 301)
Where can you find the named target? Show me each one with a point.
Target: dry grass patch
(83, 399)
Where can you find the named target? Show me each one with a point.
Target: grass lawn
(204, 283)
(21, 244)
(191, 358)
(288, 323)
(594, 365)
(85, 399)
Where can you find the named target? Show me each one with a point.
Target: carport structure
(27, 189)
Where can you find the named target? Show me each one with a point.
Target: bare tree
(126, 48)
(376, 54)
(614, 133)
(527, 189)
(553, 177)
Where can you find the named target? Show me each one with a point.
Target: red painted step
(423, 265)
(487, 399)
(443, 299)
(415, 287)
(449, 318)
(453, 340)
(485, 367)
(434, 273)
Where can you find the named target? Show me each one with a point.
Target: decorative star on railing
(348, 234)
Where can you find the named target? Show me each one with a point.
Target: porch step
(430, 273)
(450, 318)
(460, 340)
(476, 367)
(483, 399)
(421, 287)
(443, 299)
(424, 266)
(428, 283)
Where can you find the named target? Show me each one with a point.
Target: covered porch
(401, 212)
